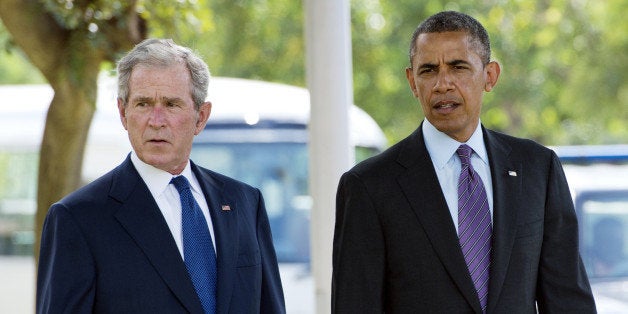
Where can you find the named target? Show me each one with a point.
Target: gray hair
(451, 21)
(164, 52)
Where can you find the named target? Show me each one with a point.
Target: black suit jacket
(396, 249)
(106, 248)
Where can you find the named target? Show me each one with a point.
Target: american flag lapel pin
(512, 173)
(226, 208)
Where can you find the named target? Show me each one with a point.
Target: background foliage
(564, 62)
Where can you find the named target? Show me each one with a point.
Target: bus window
(18, 172)
(279, 170)
(604, 222)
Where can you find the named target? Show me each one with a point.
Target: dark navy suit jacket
(106, 248)
(396, 249)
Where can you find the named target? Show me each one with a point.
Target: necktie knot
(180, 183)
(464, 152)
(185, 192)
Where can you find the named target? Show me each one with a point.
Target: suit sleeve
(66, 273)
(272, 299)
(358, 284)
(563, 286)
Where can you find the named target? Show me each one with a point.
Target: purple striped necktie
(474, 224)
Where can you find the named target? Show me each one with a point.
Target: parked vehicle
(598, 178)
(260, 136)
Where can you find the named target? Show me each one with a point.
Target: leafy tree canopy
(564, 61)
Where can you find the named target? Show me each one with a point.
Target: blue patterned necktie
(198, 251)
(474, 224)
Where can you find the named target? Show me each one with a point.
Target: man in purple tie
(457, 218)
(159, 234)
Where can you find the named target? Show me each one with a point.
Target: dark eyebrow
(457, 62)
(428, 66)
(449, 63)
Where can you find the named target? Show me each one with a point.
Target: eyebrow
(141, 99)
(449, 63)
(151, 100)
(458, 62)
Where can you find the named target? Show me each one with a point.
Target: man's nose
(443, 82)
(157, 117)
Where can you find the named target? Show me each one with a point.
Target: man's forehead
(446, 45)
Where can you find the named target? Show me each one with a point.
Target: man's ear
(492, 74)
(204, 112)
(122, 111)
(410, 77)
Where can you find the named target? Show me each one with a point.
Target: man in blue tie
(159, 234)
(457, 218)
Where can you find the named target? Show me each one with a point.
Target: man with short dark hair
(457, 218)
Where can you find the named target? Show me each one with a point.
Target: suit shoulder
(523, 146)
(89, 202)
(383, 162)
(94, 191)
(228, 182)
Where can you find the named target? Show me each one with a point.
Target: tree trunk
(63, 144)
(70, 60)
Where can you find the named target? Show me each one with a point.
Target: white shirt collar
(441, 147)
(158, 180)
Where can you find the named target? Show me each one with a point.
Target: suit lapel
(506, 176)
(430, 207)
(141, 218)
(223, 208)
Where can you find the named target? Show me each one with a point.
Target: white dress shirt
(442, 150)
(167, 197)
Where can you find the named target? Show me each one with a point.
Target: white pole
(329, 78)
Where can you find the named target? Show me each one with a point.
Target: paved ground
(17, 286)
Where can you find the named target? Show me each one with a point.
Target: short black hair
(452, 21)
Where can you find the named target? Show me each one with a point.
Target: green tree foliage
(564, 66)
(564, 62)
(68, 42)
(256, 39)
(14, 67)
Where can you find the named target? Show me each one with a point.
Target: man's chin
(157, 160)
